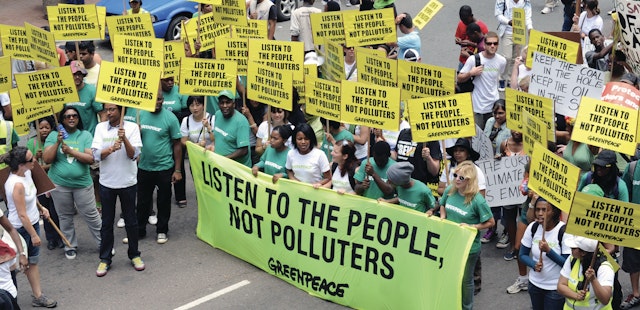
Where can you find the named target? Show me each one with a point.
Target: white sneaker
(503, 242)
(162, 238)
(113, 252)
(153, 219)
(125, 240)
(546, 10)
(120, 223)
(518, 286)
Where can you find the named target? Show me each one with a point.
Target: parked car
(284, 8)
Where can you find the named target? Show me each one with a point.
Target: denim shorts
(33, 251)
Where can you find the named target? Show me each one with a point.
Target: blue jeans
(32, 250)
(147, 182)
(128, 205)
(467, 281)
(545, 299)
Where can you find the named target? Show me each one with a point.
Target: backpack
(350, 173)
(534, 228)
(467, 86)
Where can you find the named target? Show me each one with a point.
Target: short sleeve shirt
(66, 170)
(158, 130)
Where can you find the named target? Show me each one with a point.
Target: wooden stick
(53, 224)
(593, 261)
(544, 227)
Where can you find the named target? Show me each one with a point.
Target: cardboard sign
(327, 26)
(207, 77)
(128, 85)
(74, 22)
(621, 94)
(14, 42)
(534, 131)
(5, 74)
(609, 126)
(517, 102)
(231, 12)
(134, 25)
(370, 105)
(173, 52)
(40, 179)
(376, 70)
(209, 31)
(146, 52)
(270, 86)
(419, 80)
(565, 83)
(333, 67)
(427, 13)
(503, 177)
(42, 45)
(628, 15)
(323, 98)
(369, 27)
(439, 118)
(22, 115)
(553, 178)
(551, 45)
(519, 26)
(47, 87)
(236, 49)
(280, 55)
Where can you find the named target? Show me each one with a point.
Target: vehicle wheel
(173, 31)
(284, 8)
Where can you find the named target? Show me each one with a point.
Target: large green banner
(344, 248)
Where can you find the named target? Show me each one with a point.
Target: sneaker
(502, 85)
(182, 204)
(518, 286)
(153, 219)
(70, 254)
(125, 240)
(43, 301)
(488, 236)
(162, 238)
(103, 267)
(546, 10)
(113, 252)
(503, 243)
(510, 255)
(630, 302)
(137, 263)
(120, 223)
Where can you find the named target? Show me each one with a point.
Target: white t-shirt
(482, 179)
(117, 170)
(547, 279)
(485, 92)
(340, 182)
(29, 197)
(308, 168)
(347, 68)
(604, 275)
(194, 130)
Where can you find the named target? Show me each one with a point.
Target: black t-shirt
(411, 151)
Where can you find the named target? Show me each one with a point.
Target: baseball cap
(77, 66)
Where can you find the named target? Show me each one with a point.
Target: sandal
(182, 204)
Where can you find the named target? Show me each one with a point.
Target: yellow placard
(236, 49)
(102, 20)
(270, 86)
(605, 219)
(439, 118)
(42, 45)
(610, 259)
(551, 45)
(135, 25)
(207, 77)
(128, 85)
(323, 98)
(209, 30)
(173, 52)
(376, 70)
(47, 87)
(606, 125)
(541, 107)
(553, 178)
(23, 116)
(310, 70)
(427, 13)
(14, 95)
(534, 130)
(280, 55)
(146, 52)
(333, 67)
(231, 12)
(370, 51)
(419, 80)
(74, 22)
(369, 27)
(15, 42)
(255, 29)
(5, 74)
(370, 105)
(325, 26)
(519, 26)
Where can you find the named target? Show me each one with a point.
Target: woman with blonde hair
(463, 203)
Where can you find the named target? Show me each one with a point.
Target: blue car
(166, 15)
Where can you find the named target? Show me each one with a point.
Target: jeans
(467, 281)
(85, 202)
(147, 182)
(128, 205)
(49, 231)
(569, 11)
(545, 299)
(32, 251)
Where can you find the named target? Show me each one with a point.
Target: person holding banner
(411, 193)
(278, 117)
(463, 203)
(273, 161)
(232, 130)
(424, 156)
(371, 177)
(586, 281)
(306, 163)
(177, 104)
(197, 127)
(344, 167)
(335, 132)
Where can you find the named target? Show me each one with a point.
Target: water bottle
(64, 132)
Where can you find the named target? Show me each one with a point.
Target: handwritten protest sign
(173, 52)
(14, 42)
(47, 87)
(23, 116)
(609, 126)
(482, 144)
(333, 67)
(628, 15)
(604, 219)
(419, 80)
(369, 27)
(128, 85)
(565, 83)
(74, 22)
(550, 45)
(134, 25)
(209, 31)
(540, 107)
(146, 52)
(376, 70)
(534, 131)
(236, 49)
(231, 12)
(438, 118)
(270, 86)
(427, 13)
(370, 105)
(42, 45)
(5, 74)
(622, 94)
(255, 29)
(503, 177)
(323, 98)
(519, 26)
(553, 178)
(327, 26)
(207, 77)
(280, 55)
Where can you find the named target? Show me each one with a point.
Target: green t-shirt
(373, 191)
(174, 101)
(66, 170)
(380, 4)
(476, 212)
(158, 130)
(88, 107)
(231, 134)
(327, 147)
(418, 197)
(273, 161)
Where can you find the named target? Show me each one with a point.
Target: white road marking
(213, 295)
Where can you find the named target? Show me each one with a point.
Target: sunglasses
(68, 116)
(459, 177)
(491, 43)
